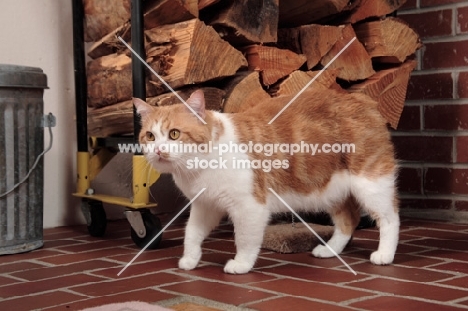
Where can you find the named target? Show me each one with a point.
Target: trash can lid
(22, 77)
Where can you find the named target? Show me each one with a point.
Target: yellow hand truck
(144, 224)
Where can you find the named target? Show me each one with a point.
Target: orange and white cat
(340, 184)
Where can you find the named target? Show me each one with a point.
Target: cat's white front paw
(321, 251)
(237, 267)
(188, 263)
(382, 258)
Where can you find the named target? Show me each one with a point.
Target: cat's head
(164, 130)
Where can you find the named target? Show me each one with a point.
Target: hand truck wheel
(95, 217)
(153, 227)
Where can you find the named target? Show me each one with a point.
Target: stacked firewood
(243, 52)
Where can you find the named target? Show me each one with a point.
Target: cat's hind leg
(201, 222)
(249, 226)
(345, 217)
(378, 198)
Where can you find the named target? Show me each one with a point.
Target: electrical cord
(36, 162)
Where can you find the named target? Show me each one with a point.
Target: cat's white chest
(217, 170)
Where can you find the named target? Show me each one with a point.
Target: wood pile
(242, 52)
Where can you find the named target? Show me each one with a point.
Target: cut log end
(388, 41)
(388, 87)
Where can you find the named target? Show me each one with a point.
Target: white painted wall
(38, 33)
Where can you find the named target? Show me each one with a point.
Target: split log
(110, 43)
(165, 12)
(117, 119)
(354, 62)
(294, 13)
(196, 53)
(388, 41)
(103, 16)
(116, 71)
(296, 81)
(248, 21)
(388, 87)
(314, 41)
(317, 41)
(373, 8)
(273, 63)
(243, 91)
(157, 13)
(184, 53)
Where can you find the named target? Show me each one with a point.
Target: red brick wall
(432, 138)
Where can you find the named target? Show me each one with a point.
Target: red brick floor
(75, 271)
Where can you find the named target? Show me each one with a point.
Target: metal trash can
(21, 142)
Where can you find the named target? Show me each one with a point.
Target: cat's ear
(142, 107)
(197, 103)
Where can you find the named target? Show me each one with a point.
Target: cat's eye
(174, 134)
(149, 136)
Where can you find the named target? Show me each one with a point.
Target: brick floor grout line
(109, 259)
(360, 299)
(37, 262)
(90, 273)
(7, 275)
(437, 229)
(400, 278)
(447, 286)
(50, 291)
(433, 283)
(302, 264)
(389, 294)
(369, 278)
(457, 301)
(94, 249)
(251, 286)
(454, 273)
(262, 300)
(248, 286)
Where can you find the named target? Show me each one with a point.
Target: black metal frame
(138, 68)
(81, 90)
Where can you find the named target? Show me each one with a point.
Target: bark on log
(243, 91)
(165, 12)
(116, 72)
(388, 87)
(303, 12)
(103, 16)
(110, 44)
(273, 63)
(373, 8)
(388, 41)
(248, 21)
